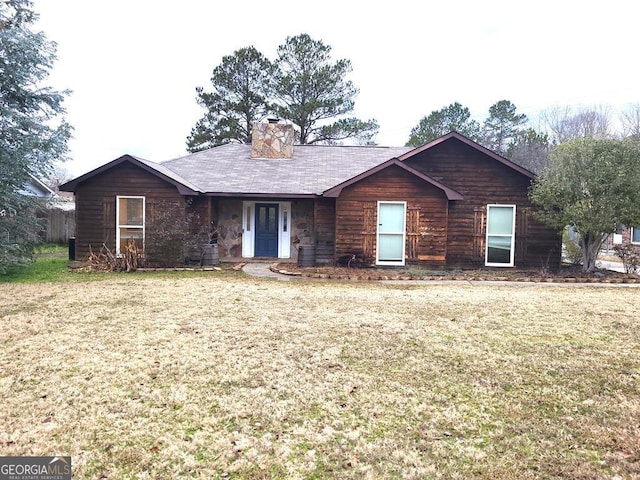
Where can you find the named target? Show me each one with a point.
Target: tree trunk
(590, 243)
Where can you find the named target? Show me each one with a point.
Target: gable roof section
(184, 186)
(449, 192)
(472, 144)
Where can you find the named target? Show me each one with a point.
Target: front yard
(216, 375)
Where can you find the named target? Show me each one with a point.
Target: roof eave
(45, 188)
(261, 195)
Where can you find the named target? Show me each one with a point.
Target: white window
(501, 222)
(130, 213)
(635, 235)
(391, 233)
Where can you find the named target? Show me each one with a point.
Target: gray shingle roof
(229, 169)
(159, 167)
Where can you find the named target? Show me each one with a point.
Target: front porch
(268, 230)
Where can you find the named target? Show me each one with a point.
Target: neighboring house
(625, 236)
(36, 188)
(622, 236)
(56, 211)
(450, 202)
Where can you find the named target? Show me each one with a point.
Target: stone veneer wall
(301, 225)
(271, 140)
(229, 225)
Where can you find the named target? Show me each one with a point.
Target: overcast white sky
(133, 65)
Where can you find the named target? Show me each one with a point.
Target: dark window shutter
(109, 222)
(479, 232)
(413, 231)
(522, 233)
(369, 230)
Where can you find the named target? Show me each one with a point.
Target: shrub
(174, 236)
(20, 230)
(572, 252)
(166, 233)
(630, 256)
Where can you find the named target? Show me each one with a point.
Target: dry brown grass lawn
(209, 376)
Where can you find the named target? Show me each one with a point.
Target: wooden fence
(60, 225)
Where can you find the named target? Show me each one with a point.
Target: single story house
(34, 187)
(623, 236)
(631, 235)
(448, 203)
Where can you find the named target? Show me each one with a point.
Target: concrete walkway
(615, 266)
(263, 270)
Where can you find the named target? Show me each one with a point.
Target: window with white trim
(635, 235)
(500, 243)
(130, 215)
(391, 234)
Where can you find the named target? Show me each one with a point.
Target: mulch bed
(566, 274)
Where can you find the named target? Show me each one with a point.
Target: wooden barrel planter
(211, 255)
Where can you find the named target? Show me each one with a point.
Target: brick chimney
(272, 140)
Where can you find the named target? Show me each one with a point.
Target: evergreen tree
(239, 98)
(502, 126)
(32, 135)
(453, 118)
(312, 92)
(303, 86)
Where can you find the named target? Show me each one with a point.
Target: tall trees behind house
(566, 123)
(504, 131)
(313, 93)
(303, 86)
(452, 118)
(502, 126)
(529, 149)
(630, 119)
(511, 134)
(240, 97)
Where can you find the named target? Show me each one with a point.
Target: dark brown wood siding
(324, 218)
(483, 180)
(96, 203)
(426, 218)
(201, 217)
(200, 208)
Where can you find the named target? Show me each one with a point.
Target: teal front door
(266, 230)
(391, 233)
